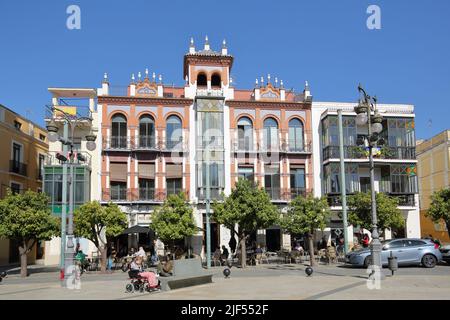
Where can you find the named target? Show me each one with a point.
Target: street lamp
(364, 110)
(72, 122)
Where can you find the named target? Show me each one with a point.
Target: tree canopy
(249, 207)
(26, 218)
(306, 214)
(440, 207)
(174, 220)
(388, 214)
(92, 220)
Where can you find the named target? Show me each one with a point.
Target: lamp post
(364, 116)
(70, 122)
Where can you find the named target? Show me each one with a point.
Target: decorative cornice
(268, 104)
(144, 101)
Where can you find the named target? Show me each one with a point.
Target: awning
(139, 229)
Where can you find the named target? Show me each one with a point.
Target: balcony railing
(295, 192)
(146, 142)
(215, 192)
(146, 194)
(119, 194)
(210, 92)
(18, 167)
(405, 200)
(356, 152)
(408, 200)
(274, 193)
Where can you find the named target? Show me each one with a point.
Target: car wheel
(429, 261)
(367, 261)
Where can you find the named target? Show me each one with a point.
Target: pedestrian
(365, 241)
(232, 243)
(225, 254)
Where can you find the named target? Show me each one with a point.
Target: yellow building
(434, 174)
(23, 146)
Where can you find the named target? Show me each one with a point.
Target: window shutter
(118, 171)
(174, 171)
(146, 170)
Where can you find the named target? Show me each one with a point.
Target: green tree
(440, 207)
(174, 220)
(388, 214)
(305, 215)
(250, 208)
(98, 223)
(26, 218)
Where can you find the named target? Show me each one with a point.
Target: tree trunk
(103, 259)
(243, 252)
(312, 261)
(23, 260)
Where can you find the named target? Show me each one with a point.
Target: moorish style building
(157, 139)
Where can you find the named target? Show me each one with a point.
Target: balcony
(405, 200)
(147, 194)
(356, 152)
(274, 194)
(18, 167)
(295, 192)
(215, 193)
(118, 143)
(146, 143)
(117, 195)
(291, 147)
(209, 92)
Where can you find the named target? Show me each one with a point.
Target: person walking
(232, 243)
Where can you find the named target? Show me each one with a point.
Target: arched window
(245, 134)
(296, 135)
(173, 132)
(201, 80)
(146, 132)
(270, 134)
(119, 131)
(216, 81)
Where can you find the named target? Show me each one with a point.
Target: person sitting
(299, 248)
(165, 269)
(138, 269)
(141, 252)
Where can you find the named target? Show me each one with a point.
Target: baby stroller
(138, 283)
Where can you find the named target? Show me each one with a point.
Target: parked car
(445, 251)
(408, 252)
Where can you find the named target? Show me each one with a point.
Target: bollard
(392, 263)
(309, 271)
(226, 272)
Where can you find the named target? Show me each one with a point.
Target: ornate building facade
(157, 140)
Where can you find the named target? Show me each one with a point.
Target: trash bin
(392, 263)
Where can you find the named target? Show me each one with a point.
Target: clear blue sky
(325, 42)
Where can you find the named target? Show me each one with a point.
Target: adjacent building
(24, 147)
(395, 161)
(434, 175)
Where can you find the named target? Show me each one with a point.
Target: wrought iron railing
(18, 167)
(357, 152)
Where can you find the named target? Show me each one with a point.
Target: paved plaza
(275, 281)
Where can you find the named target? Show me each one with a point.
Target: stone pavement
(260, 282)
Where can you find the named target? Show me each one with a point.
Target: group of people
(222, 256)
